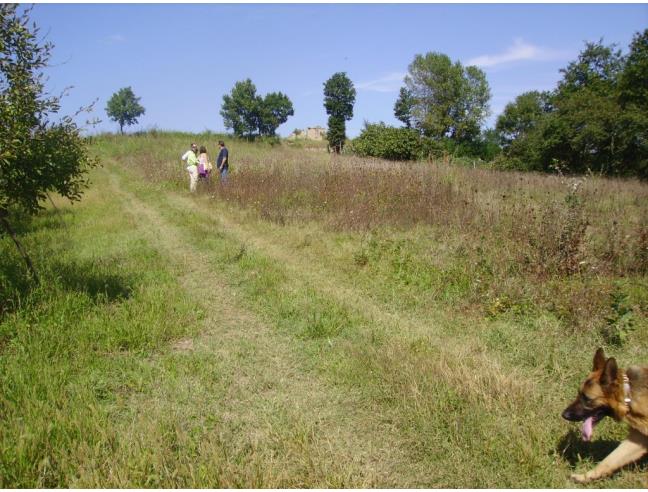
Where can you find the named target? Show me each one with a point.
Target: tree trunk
(52, 202)
(7, 227)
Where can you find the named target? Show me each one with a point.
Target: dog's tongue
(588, 426)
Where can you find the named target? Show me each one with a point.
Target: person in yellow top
(192, 166)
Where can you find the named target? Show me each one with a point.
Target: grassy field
(322, 321)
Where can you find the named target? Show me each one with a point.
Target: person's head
(221, 143)
(203, 150)
(194, 147)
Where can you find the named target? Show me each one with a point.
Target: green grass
(77, 345)
(182, 341)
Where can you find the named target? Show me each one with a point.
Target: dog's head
(596, 395)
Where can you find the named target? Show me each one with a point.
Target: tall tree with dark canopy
(519, 128)
(583, 130)
(339, 98)
(595, 120)
(403, 107)
(275, 110)
(633, 98)
(37, 154)
(124, 108)
(240, 109)
(249, 114)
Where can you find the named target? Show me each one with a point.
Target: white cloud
(520, 51)
(389, 83)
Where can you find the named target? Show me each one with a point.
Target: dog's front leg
(629, 451)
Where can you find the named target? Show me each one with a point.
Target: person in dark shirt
(222, 162)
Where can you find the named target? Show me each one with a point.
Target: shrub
(388, 142)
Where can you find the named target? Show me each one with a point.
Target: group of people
(200, 167)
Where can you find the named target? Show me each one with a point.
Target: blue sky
(182, 59)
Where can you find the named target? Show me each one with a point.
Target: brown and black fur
(602, 395)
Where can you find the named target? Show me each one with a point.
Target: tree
(632, 84)
(449, 101)
(37, 155)
(595, 120)
(520, 126)
(240, 109)
(633, 98)
(473, 106)
(403, 107)
(339, 98)
(275, 110)
(522, 116)
(583, 130)
(124, 108)
(248, 114)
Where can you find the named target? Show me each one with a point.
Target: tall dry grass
(534, 241)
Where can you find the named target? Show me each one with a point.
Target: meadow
(321, 321)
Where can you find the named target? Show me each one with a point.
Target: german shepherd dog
(611, 392)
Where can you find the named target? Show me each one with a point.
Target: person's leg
(193, 178)
(224, 176)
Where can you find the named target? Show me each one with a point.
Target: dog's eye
(585, 399)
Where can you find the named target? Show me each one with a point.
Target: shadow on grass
(91, 278)
(46, 220)
(573, 449)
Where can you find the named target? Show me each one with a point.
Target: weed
(621, 321)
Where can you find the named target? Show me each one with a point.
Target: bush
(388, 142)
(502, 162)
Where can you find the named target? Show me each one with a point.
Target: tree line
(595, 120)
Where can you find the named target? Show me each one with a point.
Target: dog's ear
(599, 360)
(609, 372)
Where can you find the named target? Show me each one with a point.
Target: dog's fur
(602, 394)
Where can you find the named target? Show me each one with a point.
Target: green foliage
(449, 101)
(620, 321)
(632, 84)
(339, 98)
(519, 130)
(336, 133)
(633, 97)
(595, 120)
(488, 145)
(240, 109)
(522, 116)
(275, 110)
(403, 107)
(250, 115)
(124, 108)
(580, 131)
(388, 142)
(37, 155)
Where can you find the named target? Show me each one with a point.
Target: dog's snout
(573, 413)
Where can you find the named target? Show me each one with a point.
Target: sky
(180, 59)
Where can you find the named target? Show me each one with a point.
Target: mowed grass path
(208, 349)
